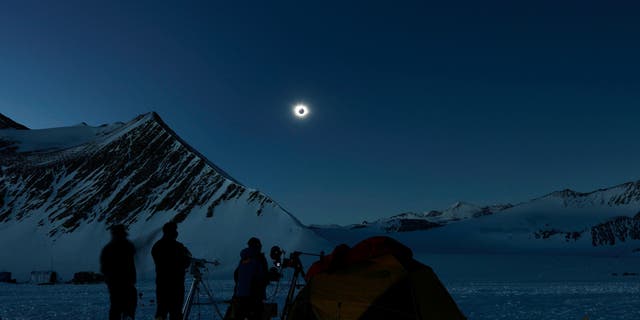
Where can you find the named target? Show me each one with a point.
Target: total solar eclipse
(301, 111)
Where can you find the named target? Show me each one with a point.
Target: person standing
(119, 270)
(172, 260)
(251, 278)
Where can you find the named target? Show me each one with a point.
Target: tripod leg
(213, 302)
(292, 289)
(186, 309)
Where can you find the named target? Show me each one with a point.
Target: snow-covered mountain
(412, 221)
(61, 188)
(602, 222)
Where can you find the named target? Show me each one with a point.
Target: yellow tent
(376, 279)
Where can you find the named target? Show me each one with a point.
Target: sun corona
(300, 111)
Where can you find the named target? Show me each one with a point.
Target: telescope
(293, 261)
(204, 261)
(198, 264)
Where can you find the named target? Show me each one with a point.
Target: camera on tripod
(276, 255)
(198, 265)
(293, 262)
(275, 272)
(280, 263)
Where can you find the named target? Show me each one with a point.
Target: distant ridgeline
(605, 221)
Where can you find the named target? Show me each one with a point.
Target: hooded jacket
(251, 274)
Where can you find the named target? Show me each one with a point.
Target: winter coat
(172, 260)
(251, 274)
(117, 262)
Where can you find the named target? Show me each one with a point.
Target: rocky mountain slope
(7, 123)
(60, 188)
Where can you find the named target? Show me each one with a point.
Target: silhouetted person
(171, 259)
(251, 278)
(117, 265)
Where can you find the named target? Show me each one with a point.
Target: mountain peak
(7, 123)
(68, 184)
(155, 117)
(566, 193)
(148, 116)
(461, 204)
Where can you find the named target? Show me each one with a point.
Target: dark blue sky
(415, 105)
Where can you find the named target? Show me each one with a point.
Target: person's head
(170, 230)
(118, 231)
(254, 243)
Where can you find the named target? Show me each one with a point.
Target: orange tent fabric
(376, 279)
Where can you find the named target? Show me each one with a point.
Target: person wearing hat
(172, 260)
(119, 270)
(251, 281)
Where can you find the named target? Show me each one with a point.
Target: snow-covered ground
(614, 300)
(484, 286)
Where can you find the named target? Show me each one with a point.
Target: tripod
(295, 263)
(198, 287)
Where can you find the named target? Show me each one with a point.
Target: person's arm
(132, 270)
(235, 280)
(103, 261)
(265, 264)
(263, 270)
(235, 274)
(187, 257)
(154, 253)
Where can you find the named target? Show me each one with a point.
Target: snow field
(479, 301)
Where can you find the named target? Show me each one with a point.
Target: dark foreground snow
(486, 287)
(598, 300)
(482, 300)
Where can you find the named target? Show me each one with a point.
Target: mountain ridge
(632, 193)
(8, 123)
(602, 222)
(66, 185)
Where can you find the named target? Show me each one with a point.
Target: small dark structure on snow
(6, 277)
(44, 277)
(87, 277)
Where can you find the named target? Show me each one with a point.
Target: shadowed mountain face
(126, 170)
(6, 123)
(66, 185)
(616, 230)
